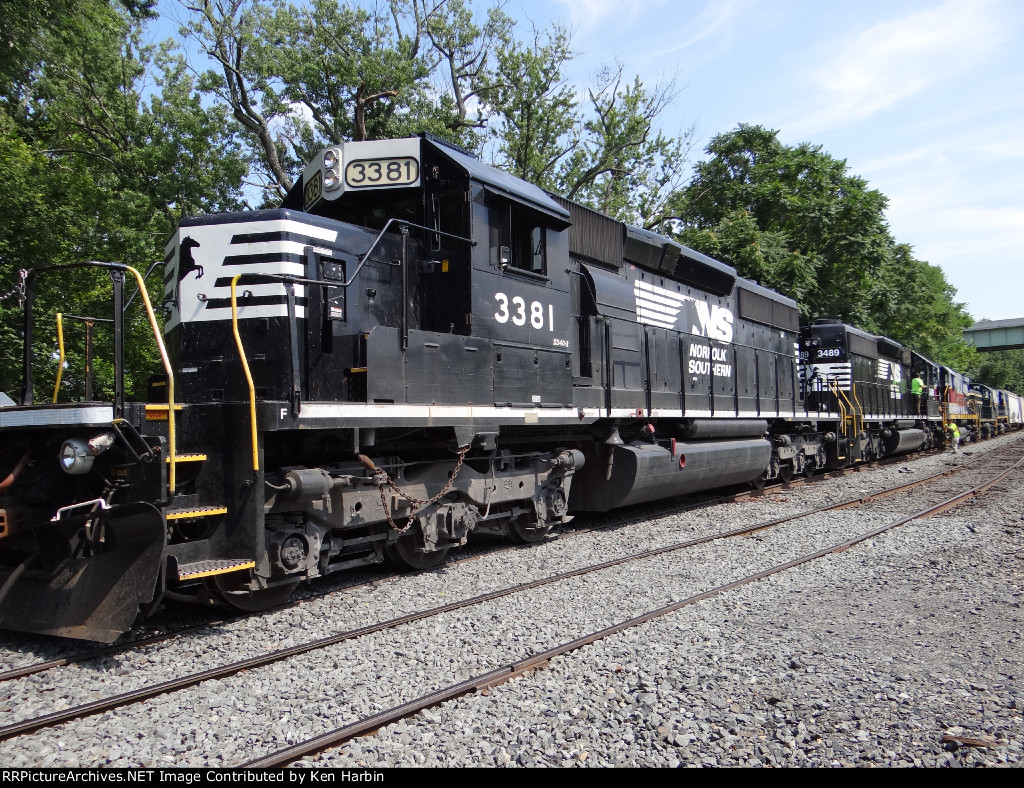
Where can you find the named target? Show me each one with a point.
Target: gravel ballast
(902, 651)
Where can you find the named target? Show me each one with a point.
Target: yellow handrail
(857, 410)
(248, 375)
(834, 388)
(171, 445)
(60, 361)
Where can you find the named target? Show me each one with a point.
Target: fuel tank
(620, 475)
(901, 441)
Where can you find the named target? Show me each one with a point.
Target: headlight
(77, 454)
(330, 159)
(75, 457)
(330, 180)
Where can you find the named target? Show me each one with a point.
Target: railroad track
(487, 678)
(635, 515)
(472, 552)
(486, 681)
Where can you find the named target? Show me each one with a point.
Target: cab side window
(521, 239)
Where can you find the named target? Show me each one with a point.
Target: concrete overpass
(996, 334)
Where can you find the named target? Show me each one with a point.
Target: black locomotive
(414, 347)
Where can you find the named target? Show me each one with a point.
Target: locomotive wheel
(523, 530)
(759, 482)
(786, 472)
(405, 555)
(231, 589)
(809, 468)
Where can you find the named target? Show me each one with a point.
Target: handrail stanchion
(60, 360)
(171, 437)
(248, 374)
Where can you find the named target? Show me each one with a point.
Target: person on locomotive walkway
(954, 437)
(916, 390)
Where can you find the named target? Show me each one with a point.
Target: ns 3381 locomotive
(413, 347)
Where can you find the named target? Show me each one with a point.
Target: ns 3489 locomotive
(413, 347)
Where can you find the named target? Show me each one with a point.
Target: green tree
(96, 172)
(463, 44)
(535, 114)
(914, 304)
(298, 77)
(1001, 369)
(796, 220)
(621, 163)
(232, 35)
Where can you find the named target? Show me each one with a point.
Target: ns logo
(658, 306)
(713, 321)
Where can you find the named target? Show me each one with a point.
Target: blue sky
(923, 98)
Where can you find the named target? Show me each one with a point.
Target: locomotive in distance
(413, 347)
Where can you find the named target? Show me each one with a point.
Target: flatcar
(414, 347)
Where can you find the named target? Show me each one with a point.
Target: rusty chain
(384, 480)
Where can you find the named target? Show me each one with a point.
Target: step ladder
(221, 566)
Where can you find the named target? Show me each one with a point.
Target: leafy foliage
(96, 172)
(795, 220)
(535, 111)
(622, 165)
(298, 77)
(1001, 369)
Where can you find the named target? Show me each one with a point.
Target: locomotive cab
(864, 379)
(383, 323)
(404, 257)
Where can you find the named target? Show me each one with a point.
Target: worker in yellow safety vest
(916, 390)
(954, 436)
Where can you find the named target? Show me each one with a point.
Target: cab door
(443, 270)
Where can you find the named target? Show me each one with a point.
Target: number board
(313, 190)
(372, 173)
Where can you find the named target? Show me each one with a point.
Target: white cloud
(715, 17)
(586, 14)
(879, 67)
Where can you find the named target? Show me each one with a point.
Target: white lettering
(518, 314)
(537, 314)
(715, 321)
(519, 318)
(502, 315)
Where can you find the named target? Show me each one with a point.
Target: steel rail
(173, 685)
(113, 650)
(501, 675)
